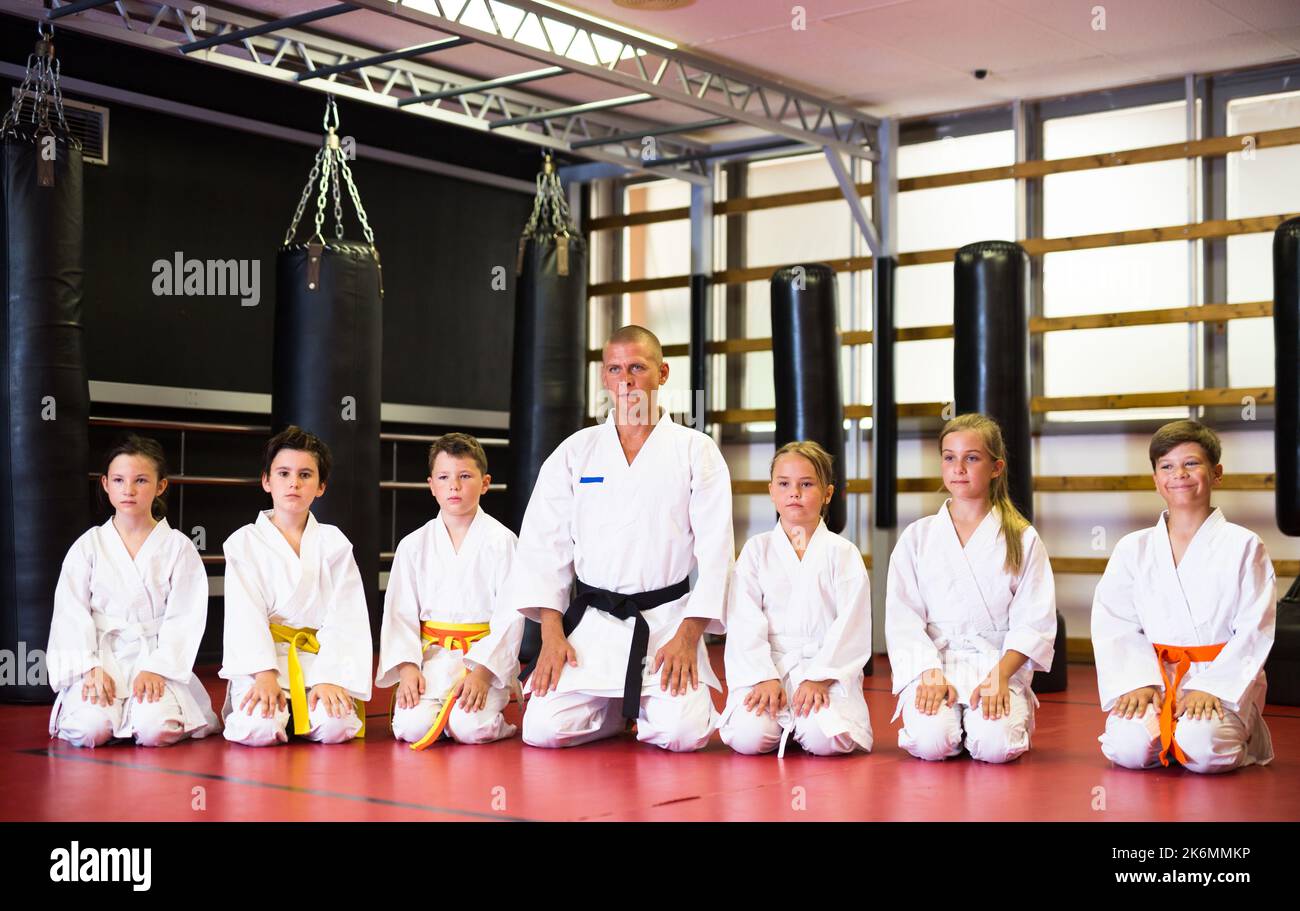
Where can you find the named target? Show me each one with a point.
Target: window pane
(1260, 182)
(1115, 279)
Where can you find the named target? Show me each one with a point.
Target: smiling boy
(1182, 622)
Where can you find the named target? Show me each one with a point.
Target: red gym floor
(378, 779)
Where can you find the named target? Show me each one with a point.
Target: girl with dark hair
(129, 611)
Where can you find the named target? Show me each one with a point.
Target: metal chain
(42, 82)
(329, 166)
(550, 206)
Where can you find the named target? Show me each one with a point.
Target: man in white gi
(622, 514)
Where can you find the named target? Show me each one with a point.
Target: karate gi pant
(680, 723)
(484, 726)
(1211, 745)
(823, 733)
(152, 724)
(939, 736)
(256, 731)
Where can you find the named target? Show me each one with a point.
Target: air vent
(88, 122)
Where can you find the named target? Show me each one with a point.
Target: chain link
(550, 217)
(329, 166)
(41, 82)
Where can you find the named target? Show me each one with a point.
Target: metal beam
(666, 73)
(474, 88)
(445, 44)
(79, 6)
(657, 131)
(164, 25)
(850, 191)
(266, 28)
(585, 108)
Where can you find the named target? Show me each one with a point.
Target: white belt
(788, 652)
(114, 629)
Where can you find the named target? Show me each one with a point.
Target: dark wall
(213, 192)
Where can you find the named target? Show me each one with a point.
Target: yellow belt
(305, 639)
(458, 636)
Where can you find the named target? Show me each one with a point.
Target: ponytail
(1013, 523)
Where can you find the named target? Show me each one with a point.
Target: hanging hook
(331, 108)
(41, 29)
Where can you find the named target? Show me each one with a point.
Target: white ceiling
(903, 57)
(907, 57)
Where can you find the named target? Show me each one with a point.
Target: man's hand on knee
(556, 652)
(677, 657)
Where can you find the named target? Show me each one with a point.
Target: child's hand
(1199, 705)
(934, 691)
(148, 685)
(265, 692)
(993, 695)
(473, 689)
(97, 687)
(768, 696)
(812, 696)
(336, 699)
(1133, 704)
(410, 685)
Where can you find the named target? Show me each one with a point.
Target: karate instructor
(622, 515)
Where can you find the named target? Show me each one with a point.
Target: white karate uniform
(1222, 591)
(957, 609)
(628, 529)
(266, 582)
(430, 580)
(129, 615)
(794, 620)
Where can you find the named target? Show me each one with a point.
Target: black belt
(624, 607)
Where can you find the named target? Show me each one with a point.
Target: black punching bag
(991, 375)
(548, 380)
(1283, 665)
(44, 502)
(806, 369)
(991, 350)
(325, 373)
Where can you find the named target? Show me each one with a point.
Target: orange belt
(1181, 656)
(458, 636)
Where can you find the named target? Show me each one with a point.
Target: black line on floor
(314, 792)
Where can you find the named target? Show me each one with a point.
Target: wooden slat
(1042, 484)
(1208, 313)
(634, 219)
(1227, 227)
(1078, 651)
(1262, 395)
(1213, 147)
(1224, 227)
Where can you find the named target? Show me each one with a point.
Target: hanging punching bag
(1283, 665)
(548, 381)
(44, 455)
(991, 374)
(325, 373)
(806, 369)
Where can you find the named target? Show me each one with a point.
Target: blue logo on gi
(599, 480)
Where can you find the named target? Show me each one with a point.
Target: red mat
(1063, 777)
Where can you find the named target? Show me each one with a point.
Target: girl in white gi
(798, 623)
(449, 640)
(297, 630)
(1182, 622)
(970, 609)
(129, 611)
